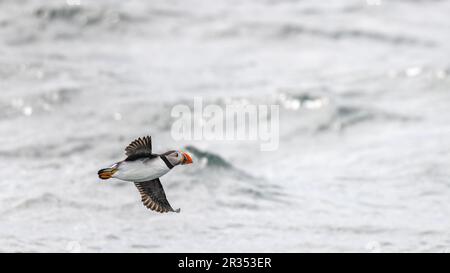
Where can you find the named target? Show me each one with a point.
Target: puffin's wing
(153, 196)
(140, 146)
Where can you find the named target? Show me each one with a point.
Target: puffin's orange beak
(187, 159)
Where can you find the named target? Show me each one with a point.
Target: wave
(210, 159)
(289, 30)
(46, 200)
(323, 112)
(247, 189)
(36, 104)
(83, 16)
(346, 116)
(293, 30)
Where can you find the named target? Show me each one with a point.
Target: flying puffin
(144, 169)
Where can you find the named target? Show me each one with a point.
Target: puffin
(144, 168)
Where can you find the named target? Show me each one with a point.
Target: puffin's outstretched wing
(153, 196)
(140, 146)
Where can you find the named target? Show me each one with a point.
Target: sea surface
(363, 163)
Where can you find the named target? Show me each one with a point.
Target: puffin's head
(178, 158)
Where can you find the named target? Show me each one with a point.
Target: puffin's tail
(106, 173)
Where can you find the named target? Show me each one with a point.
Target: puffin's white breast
(141, 169)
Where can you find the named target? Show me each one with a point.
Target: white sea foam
(362, 163)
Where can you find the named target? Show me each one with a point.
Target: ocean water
(364, 153)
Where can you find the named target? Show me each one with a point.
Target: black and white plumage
(144, 169)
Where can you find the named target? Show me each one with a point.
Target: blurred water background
(363, 88)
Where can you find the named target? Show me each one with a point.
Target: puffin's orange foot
(106, 173)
